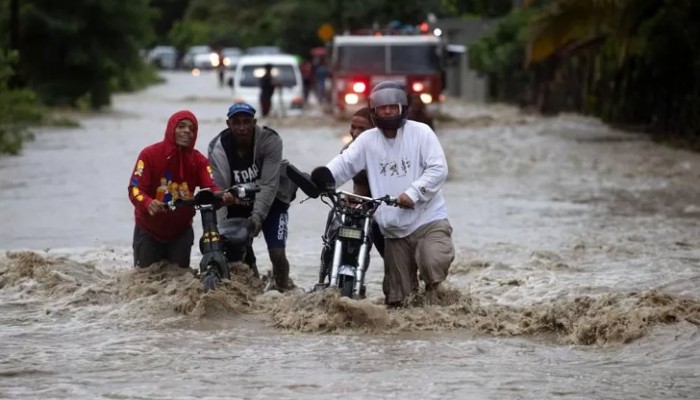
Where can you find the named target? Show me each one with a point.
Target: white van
(287, 100)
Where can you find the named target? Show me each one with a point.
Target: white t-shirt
(413, 163)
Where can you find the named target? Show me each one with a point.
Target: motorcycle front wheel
(347, 288)
(211, 279)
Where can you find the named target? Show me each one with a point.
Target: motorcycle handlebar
(207, 197)
(387, 199)
(241, 190)
(390, 200)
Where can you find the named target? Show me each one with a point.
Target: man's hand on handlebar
(230, 199)
(404, 201)
(156, 207)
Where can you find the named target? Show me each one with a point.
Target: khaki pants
(428, 251)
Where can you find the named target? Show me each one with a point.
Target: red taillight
(359, 87)
(417, 87)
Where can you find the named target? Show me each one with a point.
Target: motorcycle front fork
(363, 257)
(361, 260)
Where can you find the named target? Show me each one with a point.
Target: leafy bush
(18, 108)
(630, 62)
(500, 55)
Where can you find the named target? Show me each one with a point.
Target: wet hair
(363, 112)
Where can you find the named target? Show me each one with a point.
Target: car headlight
(214, 58)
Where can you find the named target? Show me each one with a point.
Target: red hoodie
(166, 171)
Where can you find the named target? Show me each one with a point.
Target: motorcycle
(347, 235)
(218, 250)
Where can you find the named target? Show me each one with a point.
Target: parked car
(201, 57)
(231, 56)
(287, 99)
(163, 57)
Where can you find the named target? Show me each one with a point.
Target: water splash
(164, 291)
(158, 292)
(326, 311)
(615, 318)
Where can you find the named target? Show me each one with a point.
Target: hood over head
(172, 124)
(185, 155)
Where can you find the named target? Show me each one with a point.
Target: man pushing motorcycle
(245, 152)
(403, 159)
(167, 170)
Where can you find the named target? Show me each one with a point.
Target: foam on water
(159, 292)
(162, 292)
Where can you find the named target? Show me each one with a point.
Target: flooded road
(577, 273)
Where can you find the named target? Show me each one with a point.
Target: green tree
(292, 24)
(500, 54)
(187, 33)
(483, 8)
(630, 62)
(83, 49)
(18, 108)
(166, 14)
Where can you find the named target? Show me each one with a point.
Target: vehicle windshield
(251, 74)
(232, 51)
(199, 50)
(414, 58)
(263, 50)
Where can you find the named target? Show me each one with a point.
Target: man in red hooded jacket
(166, 171)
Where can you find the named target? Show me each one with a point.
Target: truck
(358, 62)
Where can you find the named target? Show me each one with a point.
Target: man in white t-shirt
(403, 159)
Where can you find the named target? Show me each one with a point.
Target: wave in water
(161, 292)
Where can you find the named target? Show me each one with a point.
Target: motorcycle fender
(347, 270)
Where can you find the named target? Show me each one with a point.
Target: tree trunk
(14, 24)
(15, 81)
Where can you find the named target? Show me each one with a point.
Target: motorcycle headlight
(350, 233)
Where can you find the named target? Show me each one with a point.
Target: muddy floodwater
(577, 273)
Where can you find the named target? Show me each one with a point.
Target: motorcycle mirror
(323, 178)
(303, 180)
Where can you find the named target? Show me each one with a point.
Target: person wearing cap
(404, 159)
(246, 152)
(165, 171)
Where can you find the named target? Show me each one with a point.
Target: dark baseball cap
(240, 108)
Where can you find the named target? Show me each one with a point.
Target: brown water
(577, 272)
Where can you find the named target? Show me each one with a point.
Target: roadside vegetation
(632, 63)
(68, 55)
(19, 108)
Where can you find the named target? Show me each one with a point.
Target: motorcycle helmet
(388, 93)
